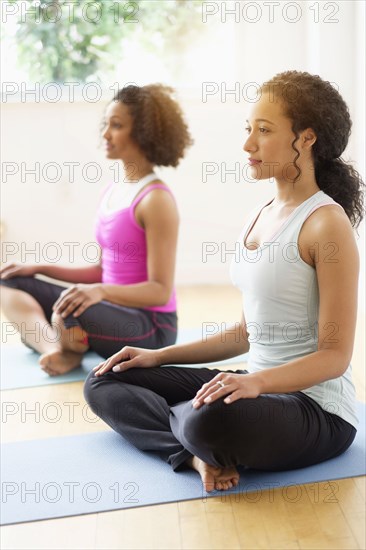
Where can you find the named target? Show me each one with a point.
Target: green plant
(63, 40)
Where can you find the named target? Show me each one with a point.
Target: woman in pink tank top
(128, 298)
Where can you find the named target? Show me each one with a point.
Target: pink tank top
(124, 251)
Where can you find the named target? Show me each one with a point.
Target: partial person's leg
(110, 327)
(272, 432)
(106, 328)
(27, 303)
(136, 404)
(67, 355)
(28, 318)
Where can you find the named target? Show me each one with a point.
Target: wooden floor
(320, 515)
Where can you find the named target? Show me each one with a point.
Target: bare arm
(158, 214)
(337, 267)
(337, 270)
(229, 343)
(87, 275)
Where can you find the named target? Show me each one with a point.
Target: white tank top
(127, 191)
(281, 304)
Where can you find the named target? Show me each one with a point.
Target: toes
(224, 485)
(46, 367)
(48, 371)
(44, 361)
(209, 484)
(216, 478)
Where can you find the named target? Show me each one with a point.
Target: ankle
(75, 347)
(48, 347)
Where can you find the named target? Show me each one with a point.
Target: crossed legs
(152, 408)
(61, 349)
(142, 415)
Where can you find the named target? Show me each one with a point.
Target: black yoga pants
(109, 326)
(152, 408)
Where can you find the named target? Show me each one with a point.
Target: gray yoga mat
(19, 365)
(84, 474)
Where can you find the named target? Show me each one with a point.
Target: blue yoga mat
(20, 368)
(84, 474)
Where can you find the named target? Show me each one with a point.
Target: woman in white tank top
(298, 271)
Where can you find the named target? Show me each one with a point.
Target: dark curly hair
(311, 102)
(158, 127)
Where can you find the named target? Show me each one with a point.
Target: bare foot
(59, 361)
(214, 477)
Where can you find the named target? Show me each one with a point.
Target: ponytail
(318, 105)
(344, 184)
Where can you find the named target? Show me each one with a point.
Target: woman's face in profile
(117, 127)
(269, 142)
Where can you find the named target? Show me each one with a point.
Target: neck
(135, 170)
(289, 193)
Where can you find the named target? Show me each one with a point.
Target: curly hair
(158, 127)
(311, 102)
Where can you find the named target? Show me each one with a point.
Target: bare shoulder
(328, 220)
(157, 204)
(162, 194)
(327, 229)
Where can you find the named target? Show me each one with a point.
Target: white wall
(211, 211)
